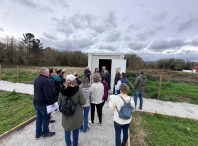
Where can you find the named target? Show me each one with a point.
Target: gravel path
(97, 135)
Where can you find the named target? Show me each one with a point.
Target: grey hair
(84, 82)
(104, 67)
(63, 70)
(106, 72)
(118, 70)
(43, 70)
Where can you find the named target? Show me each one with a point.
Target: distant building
(196, 68)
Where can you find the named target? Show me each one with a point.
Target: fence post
(37, 71)
(159, 86)
(17, 73)
(0, 73)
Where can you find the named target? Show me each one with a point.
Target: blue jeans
(118, 129)
(68, 137)
(42, 120)
(118, 91)
(140, 94)
(86, 114)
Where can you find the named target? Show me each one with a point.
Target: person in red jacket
(106, 88)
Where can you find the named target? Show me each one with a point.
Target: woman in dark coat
(106, 87)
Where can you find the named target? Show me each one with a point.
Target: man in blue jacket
(58, 79)
(53, 88)
(42, 98)
(123, 79)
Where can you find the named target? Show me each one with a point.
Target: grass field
(158, 130)
(170, 91)
(15, 108)
(176, 86)
(28, 74)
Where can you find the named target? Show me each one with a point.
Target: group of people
(76, 98)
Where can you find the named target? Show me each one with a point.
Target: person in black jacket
(42, 98)
(107, 78)
(87, 73)
(53, 89)
(77, 76)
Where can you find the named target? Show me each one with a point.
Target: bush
(34, 74)
(9, 74)
(23, 72)
(5, 77)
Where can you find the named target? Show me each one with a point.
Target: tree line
(30, 51)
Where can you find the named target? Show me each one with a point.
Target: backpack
(125, 110)
(68, 107)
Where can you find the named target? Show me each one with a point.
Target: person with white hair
(42, 98)
(65, 71)
(103, 69)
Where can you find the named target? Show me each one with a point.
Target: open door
(117, 64)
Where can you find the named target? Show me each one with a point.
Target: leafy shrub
(5, 77)
(34, 74)
(23, 72)
(9, 74)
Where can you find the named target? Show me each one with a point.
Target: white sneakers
(101, 124)
(91, 123)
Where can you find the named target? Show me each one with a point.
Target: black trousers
(99, 111)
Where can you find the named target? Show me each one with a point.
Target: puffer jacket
(140, 83)
(89, 94)
(106, 88)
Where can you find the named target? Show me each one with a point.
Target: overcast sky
(152, 29)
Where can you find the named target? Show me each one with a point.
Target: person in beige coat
(98, 90)
(72, 123)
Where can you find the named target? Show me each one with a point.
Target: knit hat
(70, 78)
(141, 72)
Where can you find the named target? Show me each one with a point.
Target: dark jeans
(86, 114)
(118, 91)
(42, 120)
(99, 111)
(118, 129)
(140, 94)
(68, 137)
(114, 91)
(102, 104)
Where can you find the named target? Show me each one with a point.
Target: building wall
(95, 61)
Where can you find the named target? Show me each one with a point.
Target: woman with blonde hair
(98, 90)
(72, 118)
(122, 123)
(89, 94)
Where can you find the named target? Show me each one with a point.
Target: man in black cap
(140, 84)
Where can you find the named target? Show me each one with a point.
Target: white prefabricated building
(112, 61)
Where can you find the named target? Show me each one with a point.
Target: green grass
(168, 131)
(28, 74)
(170, 91)
(15, 108)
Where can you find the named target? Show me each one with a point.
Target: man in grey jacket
(140, 84)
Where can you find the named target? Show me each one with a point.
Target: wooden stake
(129, 139)
(131, 85)
(159, 86)
(37, 71)
(17, 73)
(0, 73)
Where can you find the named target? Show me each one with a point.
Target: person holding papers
(123, 106)
(122, 80)
(42, 98)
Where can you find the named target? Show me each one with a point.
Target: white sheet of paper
(112, 96)
(51, 109)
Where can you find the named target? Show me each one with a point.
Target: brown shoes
(123, 143)
(140, 108)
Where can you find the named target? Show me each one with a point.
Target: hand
(53, 105)
(109, 99)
